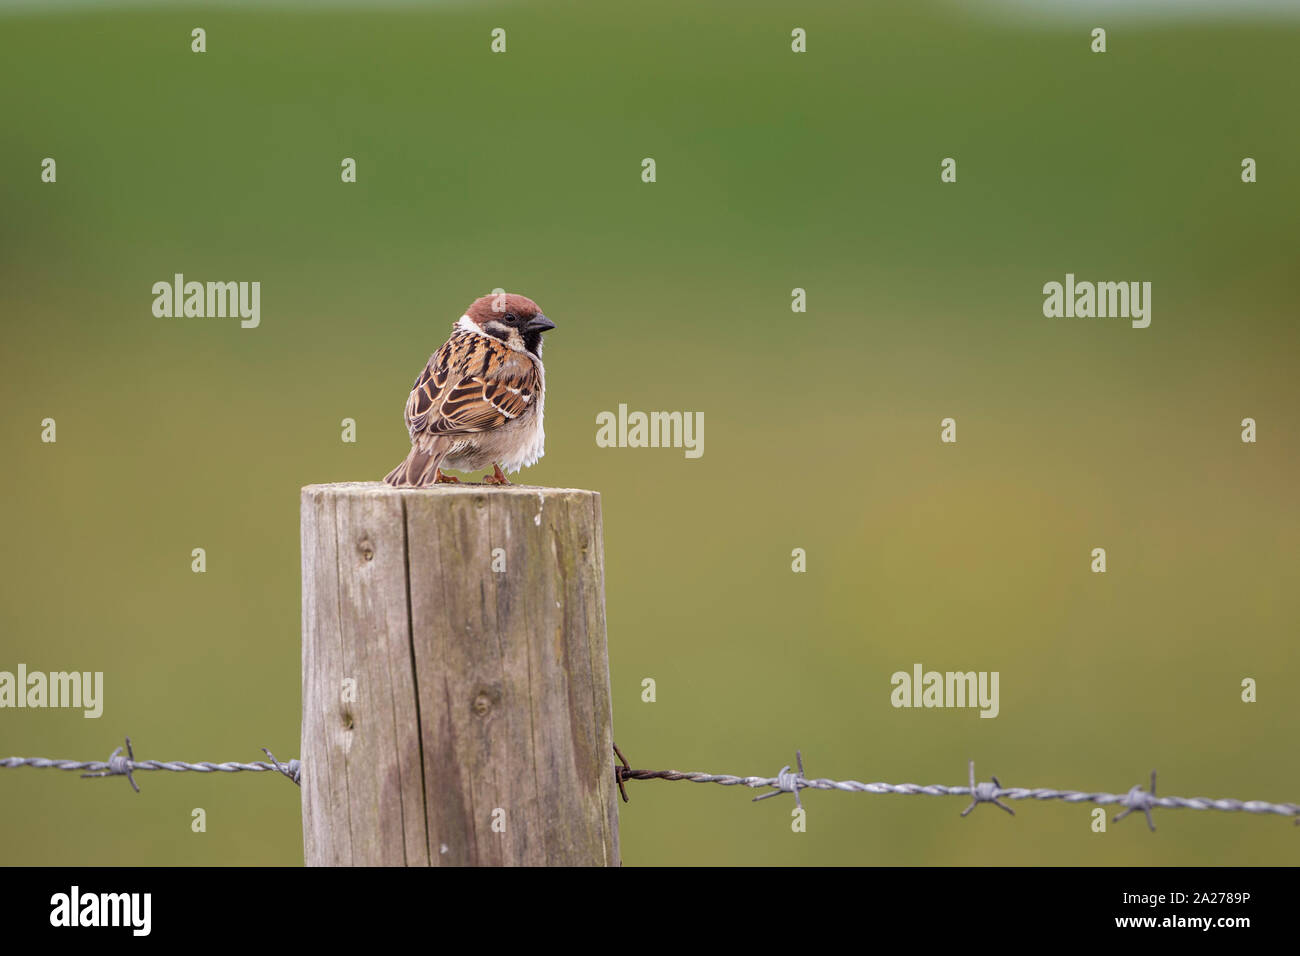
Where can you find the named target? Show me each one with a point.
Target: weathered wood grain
(480, 727)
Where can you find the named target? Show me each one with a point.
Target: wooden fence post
(455, 677)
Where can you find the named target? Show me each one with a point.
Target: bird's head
(514, 319)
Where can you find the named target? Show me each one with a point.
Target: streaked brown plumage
(479, 400)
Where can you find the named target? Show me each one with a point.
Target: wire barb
(1137, 799)
(985, 793)
(787, 782)
(119, 766)
(292, 770)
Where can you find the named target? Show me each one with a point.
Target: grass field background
(775, 171)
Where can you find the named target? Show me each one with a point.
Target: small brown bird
(479, 400)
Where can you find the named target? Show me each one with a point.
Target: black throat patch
(533, 342)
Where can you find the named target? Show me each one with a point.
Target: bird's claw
(497, 477)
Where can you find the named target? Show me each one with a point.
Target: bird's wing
(474, 383)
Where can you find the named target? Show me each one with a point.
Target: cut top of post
(459, 488)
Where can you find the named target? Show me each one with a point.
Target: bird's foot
(440, 479)
(497, 477)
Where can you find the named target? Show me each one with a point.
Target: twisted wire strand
(119, 766)
(176, 766)
(1135, 800)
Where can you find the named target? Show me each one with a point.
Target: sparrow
(479, 400)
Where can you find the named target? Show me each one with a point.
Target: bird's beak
(539, 323)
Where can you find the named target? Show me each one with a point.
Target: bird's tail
(419, 469)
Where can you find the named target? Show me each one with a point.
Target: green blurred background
(775, 171)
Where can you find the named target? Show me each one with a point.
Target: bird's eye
(512, 318)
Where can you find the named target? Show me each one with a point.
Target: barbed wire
(992, 791)
(118, 766)
(1136, 799)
